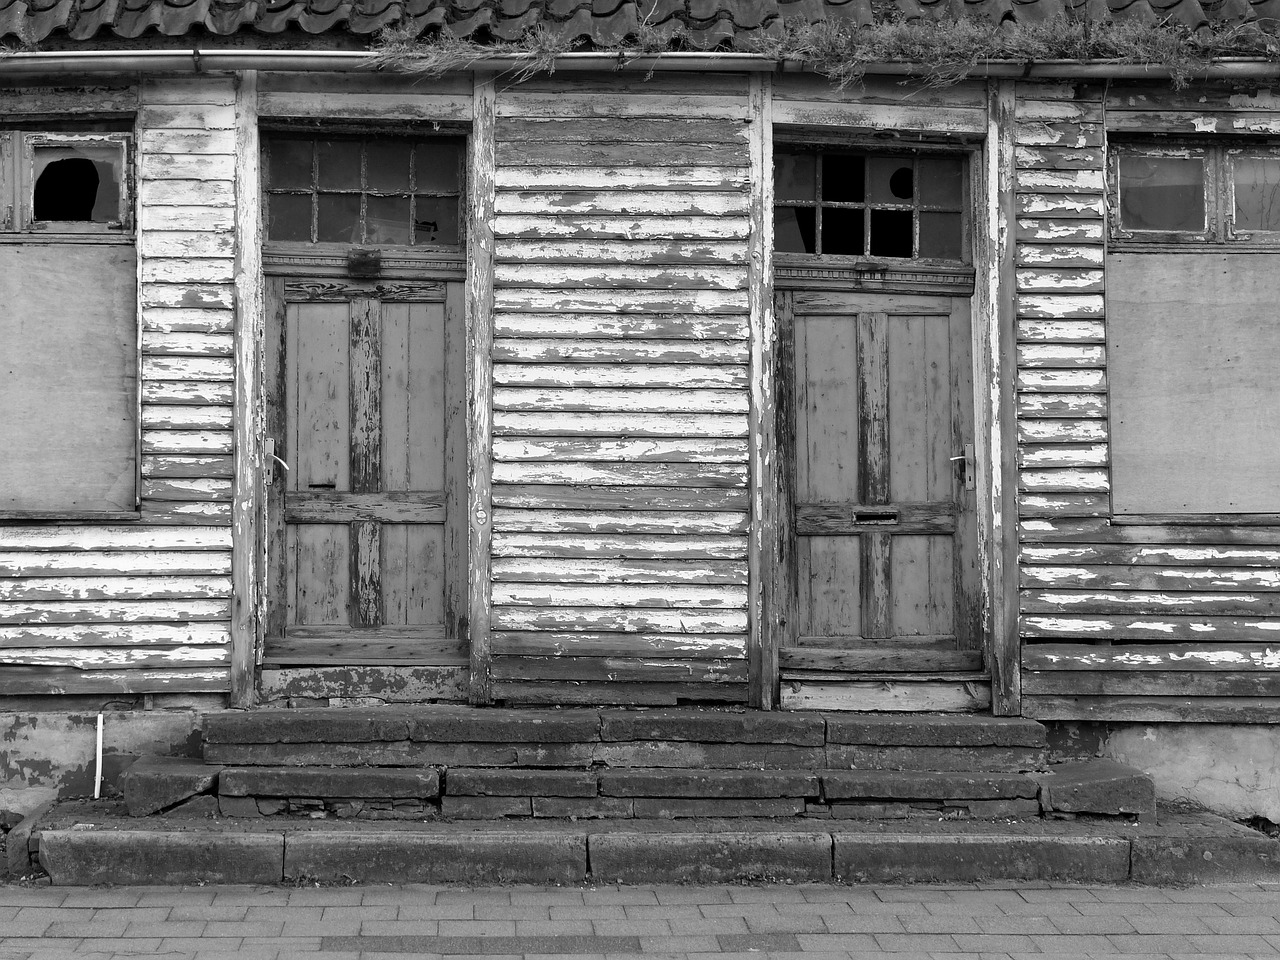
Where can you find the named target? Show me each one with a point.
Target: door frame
(993, 352)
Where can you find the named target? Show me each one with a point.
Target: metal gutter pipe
(199, 60)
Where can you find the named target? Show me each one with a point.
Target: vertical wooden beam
(782, 578)
(274, 603)
(248, 556)
(767, 605)
(995, 360)
(366, 457)
(456, 619)
(875, 568)
(480, 386)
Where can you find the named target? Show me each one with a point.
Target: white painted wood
(80, 635)
(620, 401)
(591, 424)
(662, 376)
(611, 450)
(620, 521)
(624, 178)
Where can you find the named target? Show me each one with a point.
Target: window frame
(1219, 195)
(869, 151)
(324, 248)
(18, 181)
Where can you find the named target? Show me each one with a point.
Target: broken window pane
(1257, 192)
(843, 178)
(891, 233)
(386, 220)
(1162, 193)
(842, 232)
(793, 230)
(795, 177)
(890, 180)
(77, 182)
(436, 220)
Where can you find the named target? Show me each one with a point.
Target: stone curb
(17, 844)
(573, 854)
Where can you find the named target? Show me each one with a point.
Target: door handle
(967, 467)
(269, 448)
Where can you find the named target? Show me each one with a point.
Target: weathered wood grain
(571, 497)
(1164, 658)
(115, 635)
(685, 450)
(629, 619)
(625, 571)
(671, 326)
(1155, 709)
(679, 646)
(941, 696)
(630, 376)
(698, 475)
(635, 521)
(591, 424)
(29, 681)
(733, 351)
(619, 669)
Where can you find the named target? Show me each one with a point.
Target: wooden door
(880, 439)
(366, 546)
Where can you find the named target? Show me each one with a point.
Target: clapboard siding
(145, 608)
(621, 390)
(1123, 622)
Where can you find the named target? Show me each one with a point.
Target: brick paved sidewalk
(954, 922)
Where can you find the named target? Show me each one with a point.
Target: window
(362, 190)
(1186, 191)
(847, 203)
(1193, 278)
(69, 367)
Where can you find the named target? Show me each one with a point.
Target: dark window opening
(856, 204)
(67, 189)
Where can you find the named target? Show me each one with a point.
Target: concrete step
(190, 789)
(449, 735)
(82, 843)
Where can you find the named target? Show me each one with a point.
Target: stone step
(79, 846)
(490, 793)
(448, 735)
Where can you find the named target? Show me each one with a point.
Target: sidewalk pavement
(803, 922)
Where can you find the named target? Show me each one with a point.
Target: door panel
(883, 515)
(363, 411)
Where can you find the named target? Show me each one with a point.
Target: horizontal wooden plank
(197, 442)
(188, 466)
(1103, 531)
(611, 326)
(170, 512)
(681, 646)
(588, 693)
(183, 489)
(1075, 180)
(1058, 230)
(684, 450)
(628, 619)
(613, 203)
(1060, 255)
(611, 522)
(509, 423)
(202, 369)
(131, 562)
(355, 648)
(115, 658)
(1032, 405)
(1060, 306)
(834, 519)
(1062, 430)
(885, 659)
(586, 300)
(548, 497)
(1059, 279)
(43, 537)
(940, 696)
(511, 154)
(1060, 355)
(619, 669)
(319, 506)
(618, 546)
(1047, 455)
(1062, 381)
(558, 176)
(901, 117)
(1148, 577)
(717, 597)
(645, 400)
(177, 391)
(554, 570)
(1247, 710)
(669, 129)
(630, 252)
(668, 376)
(115, 635)
(1066, 480)
(735, 351)
(33, 681)
(606, 276)
(548, 224)
(1064, 504)
(418, 105)
(1149, 603)
(1058, 158)
(1059, 206)
(561, 106)
(1225, 633)
(1150, 554)
(14, 589)
(184, 320)
(187, 344)
(1062, 134)
(1061, 331)
(622, 474)
(1151, 684)
(1163, 658)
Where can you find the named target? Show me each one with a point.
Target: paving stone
(931, 785)
(1001, 809)
(1178, 860)
(463, 781)
(583, 808)
(620, 857)
(692, 755)
(239, 807)
(1011, 759)
(713, 726)
(708, 783)
(89, 857)
(342, 782)
(446, 724)
(670, 808)
(306, 725)
(914, 858)
(1098, 787)
(870, 811)
(951, 730)
(152, 784)
(485, 808)
(495, 856)
(401, 753)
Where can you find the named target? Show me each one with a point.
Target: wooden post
(996, 357)
(248, 558)
(479, 314)
(766, 621)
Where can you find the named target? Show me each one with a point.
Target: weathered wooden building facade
(700, 380)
